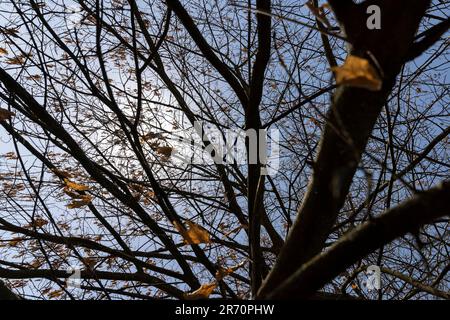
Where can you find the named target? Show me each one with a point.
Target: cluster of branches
(95, 93)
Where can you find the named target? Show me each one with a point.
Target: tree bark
(409, 216)
(350, 122)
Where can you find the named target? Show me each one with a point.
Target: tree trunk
(350, 122)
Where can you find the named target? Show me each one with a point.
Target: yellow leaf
(70, 193)
(3, 51)
(5, 114)
(358, 72)
(75, 186)
(76, 205)
(201, 293)
(194, 235)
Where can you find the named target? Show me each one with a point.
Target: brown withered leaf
(62, 173)
(151, 135)
(85, 197)
(6, 114)
(195, 234)
(17, 60)
(3, 51)
(75, 186)
(14, 242)
(39, 222)
(56, 294)
(164, 151)
(11, 31)
(223, 272)
(149, 197)
(203, 292)
(35, 264)
(358, 72)
(84, 201)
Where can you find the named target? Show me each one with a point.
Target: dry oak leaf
(194, 235)
(242, 226)
(358, 72)
(164, 151)
(6, 114)
(36, 264)
(11, 31)
(34, 77)
(74, 195)
(39, 222)
(203, 292)
(14, 242)
(90, 261)
(61, 173)
(56, 294)
(17, 60)
(149, 197)
(85, 200)
(75, 186)
(319, 12)
(151, 135)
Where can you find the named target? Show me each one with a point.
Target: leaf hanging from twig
(203, 292)
(358, 72)
(194, 235)
(75, 186)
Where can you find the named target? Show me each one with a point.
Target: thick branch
(253, 122)
(350, 121)
(86, 274)
(417, 284)
(409, 216)
(430, 37)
